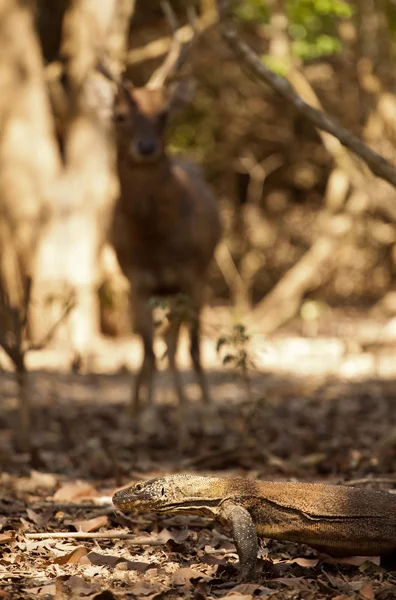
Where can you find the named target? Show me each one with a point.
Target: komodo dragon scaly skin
(336, 519)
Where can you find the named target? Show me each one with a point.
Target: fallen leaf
(32, 545)
(218, 538)
(184, 575)
(103, 560)
(110, 560)
(36, 481)
(211, 559)
(366, 592)
(80, 586)
(304, 562)
(144, 589)
(71, 558)
(248, 589)
(354, 561)
(43, 480)
(26, 526)
(134, 565)
(7, 536)
(39, 519)
(200, 591)
(290, 581)
(336, 583)
(175, 535)
(370, 568)
(73, 491)
(44, 590)
(89, 525)
(92, 570)
(104, 595)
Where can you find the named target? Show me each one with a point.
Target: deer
(166, 222)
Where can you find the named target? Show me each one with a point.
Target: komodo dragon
(336, 519)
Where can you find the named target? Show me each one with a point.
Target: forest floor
(318, 407)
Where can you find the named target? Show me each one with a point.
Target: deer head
(141, 114)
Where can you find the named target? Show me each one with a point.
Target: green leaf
(277, 65)
(220, 343)
(252, 11)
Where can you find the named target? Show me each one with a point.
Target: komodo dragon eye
(139, 487)
(162, 491)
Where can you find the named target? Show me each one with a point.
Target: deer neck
(145, 188)
(146, 172)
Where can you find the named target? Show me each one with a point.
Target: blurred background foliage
(279, 182)
(311, 24)
(344, 51)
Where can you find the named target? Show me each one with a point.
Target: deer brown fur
(166, 226)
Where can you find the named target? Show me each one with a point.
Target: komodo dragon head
(175, 493)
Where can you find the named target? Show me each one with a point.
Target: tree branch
(377, 164)
(99, 535)
(160, 46)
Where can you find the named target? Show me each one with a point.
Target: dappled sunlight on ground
(311, 408)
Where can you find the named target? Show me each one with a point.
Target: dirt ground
(315, 407)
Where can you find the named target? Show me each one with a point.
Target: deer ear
(123, 101)
(121, 109)
(181, 93)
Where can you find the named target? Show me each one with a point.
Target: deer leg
(211, 423)
(195, 352)
(171, 339)
(144, 381)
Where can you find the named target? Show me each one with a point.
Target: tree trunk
(67, 265)
(29, 157)
(56, 200)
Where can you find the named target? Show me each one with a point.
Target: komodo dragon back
(324, 500)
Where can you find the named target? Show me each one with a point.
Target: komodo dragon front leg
(245, 536)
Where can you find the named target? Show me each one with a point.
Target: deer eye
(120, 117)
(162, 117)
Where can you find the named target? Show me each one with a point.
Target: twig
(375, 480)
(81, 535)
(211, 457)
(104, 509)
(49, 336)
(284, 300)
(73, 505)
(377, 163)
(232, 277)
(160, 46)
